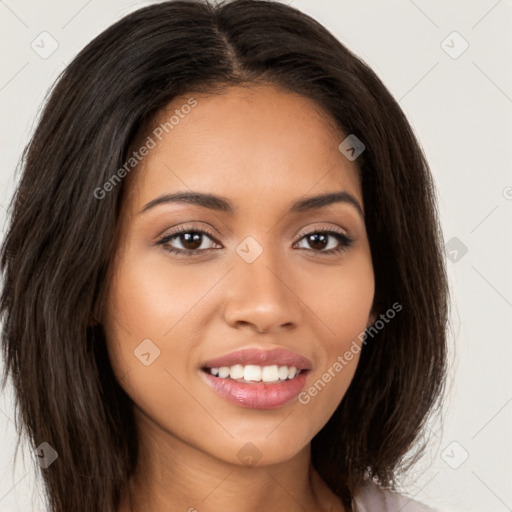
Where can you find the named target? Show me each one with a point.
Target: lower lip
(258, 395)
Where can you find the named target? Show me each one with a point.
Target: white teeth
(236, 372)
(255, 373)
(252, 372)
(283, 372)
(223, 372)
(270, 373)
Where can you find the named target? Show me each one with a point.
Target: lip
(278, 356)
(258, 395)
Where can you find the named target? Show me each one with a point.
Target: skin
(262, 148)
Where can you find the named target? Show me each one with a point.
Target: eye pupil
(315, 237)
(191, 242)
(191, 238)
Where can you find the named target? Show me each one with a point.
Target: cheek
(143, 321)
(153, 296)
(154, 299)
(153, 326)
(341, 299)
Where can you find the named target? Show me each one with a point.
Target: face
(197, 281)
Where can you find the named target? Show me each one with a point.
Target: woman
(223, 274)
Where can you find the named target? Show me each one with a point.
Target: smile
(253, 373)
(257, 378)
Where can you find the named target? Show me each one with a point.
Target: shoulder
(372, 498)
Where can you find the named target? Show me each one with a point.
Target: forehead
(253, 144)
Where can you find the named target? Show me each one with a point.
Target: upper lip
(260, 357)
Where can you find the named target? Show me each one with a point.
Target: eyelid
(186, 229)
(347, 238)
(324, 228)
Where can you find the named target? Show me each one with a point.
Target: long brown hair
(57, 252)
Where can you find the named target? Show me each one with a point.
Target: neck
(172, 475)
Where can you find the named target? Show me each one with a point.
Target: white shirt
(373, 498)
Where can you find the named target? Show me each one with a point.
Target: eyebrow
(222, 204)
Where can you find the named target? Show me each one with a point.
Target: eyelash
(345, 241)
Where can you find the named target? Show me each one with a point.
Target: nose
(260, 295)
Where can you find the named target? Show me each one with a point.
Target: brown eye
(189, 241)
(186, 241)
(318, 241)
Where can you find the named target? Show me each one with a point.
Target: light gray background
(461, 111)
